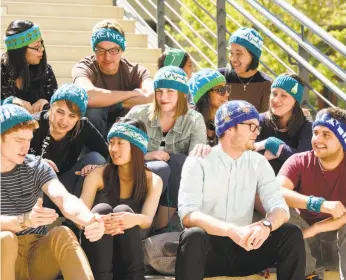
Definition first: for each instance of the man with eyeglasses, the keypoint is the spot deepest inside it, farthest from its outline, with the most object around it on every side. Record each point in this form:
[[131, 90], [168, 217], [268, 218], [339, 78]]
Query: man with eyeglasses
[[216, 204], [113, 84]]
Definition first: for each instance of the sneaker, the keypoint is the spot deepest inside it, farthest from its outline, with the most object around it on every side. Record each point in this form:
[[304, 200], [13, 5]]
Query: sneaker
[[312, 276]]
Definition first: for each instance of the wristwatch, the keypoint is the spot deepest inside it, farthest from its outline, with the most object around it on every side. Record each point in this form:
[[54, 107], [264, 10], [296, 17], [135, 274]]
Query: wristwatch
[[267, 224]]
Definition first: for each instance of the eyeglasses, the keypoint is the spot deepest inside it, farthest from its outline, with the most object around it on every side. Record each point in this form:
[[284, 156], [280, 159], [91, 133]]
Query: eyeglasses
[[112, 51], [253, 127], [39, 48], [222, 91]]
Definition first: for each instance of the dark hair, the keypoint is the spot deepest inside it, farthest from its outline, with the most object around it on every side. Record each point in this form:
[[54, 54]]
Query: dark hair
[[111, 176], [202, 106], [254, 62], [161, 60], [15, 59], [336, 113]]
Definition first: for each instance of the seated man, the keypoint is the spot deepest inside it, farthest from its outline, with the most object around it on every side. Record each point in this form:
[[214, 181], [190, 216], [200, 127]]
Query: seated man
[[27, 252], [216, 204], [315, 183], [112, 82]]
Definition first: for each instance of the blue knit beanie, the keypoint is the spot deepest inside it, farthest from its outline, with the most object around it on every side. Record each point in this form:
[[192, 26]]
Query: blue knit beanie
[[11, 115], [232, 113], [249, 38], [171, 77], [290, 85], [338, 128], [130, 133], [73, 93], [204, 80]]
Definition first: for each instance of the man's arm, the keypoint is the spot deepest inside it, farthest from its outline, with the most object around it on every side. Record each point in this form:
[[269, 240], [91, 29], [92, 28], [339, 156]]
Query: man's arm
[[270, 195], [147, 96], [99, 97], [9, 223], [70, 206], [293, 198], [210, 224]]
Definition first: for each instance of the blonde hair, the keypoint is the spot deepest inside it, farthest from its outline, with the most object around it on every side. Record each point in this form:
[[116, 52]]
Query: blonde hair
[[109, 23], [180, 110]]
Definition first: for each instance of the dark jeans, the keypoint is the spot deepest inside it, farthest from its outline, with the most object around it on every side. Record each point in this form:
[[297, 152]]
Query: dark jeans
[[170, 173], [103, 117], [72, 182], [118, 257], [202, 255]]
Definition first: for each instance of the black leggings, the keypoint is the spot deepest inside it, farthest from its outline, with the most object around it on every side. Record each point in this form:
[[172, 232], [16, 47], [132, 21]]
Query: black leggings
[[118, 257]]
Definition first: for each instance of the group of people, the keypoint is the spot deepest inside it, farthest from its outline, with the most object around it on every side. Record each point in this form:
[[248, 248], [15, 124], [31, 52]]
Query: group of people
[[257, 182]]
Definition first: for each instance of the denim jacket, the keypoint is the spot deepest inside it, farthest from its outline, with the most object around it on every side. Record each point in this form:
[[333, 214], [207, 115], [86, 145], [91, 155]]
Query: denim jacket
[[187, 131]]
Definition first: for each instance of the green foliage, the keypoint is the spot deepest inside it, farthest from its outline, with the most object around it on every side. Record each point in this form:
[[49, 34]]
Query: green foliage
[[329, 14]]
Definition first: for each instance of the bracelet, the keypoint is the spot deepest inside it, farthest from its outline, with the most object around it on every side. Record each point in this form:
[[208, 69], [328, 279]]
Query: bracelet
[[314, 203], [272, 144]]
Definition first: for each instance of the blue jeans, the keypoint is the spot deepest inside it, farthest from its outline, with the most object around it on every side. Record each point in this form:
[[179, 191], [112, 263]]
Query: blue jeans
[[99, 117], [72, 182]]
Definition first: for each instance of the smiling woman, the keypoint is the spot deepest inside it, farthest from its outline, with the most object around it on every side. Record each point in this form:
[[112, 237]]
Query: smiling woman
[[26, 78]]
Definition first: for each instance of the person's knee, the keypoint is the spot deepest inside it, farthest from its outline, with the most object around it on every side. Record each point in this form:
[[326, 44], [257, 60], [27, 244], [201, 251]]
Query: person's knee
[[342, 235], [194, 237], [294, 233], [9, 245], [94, 158], [178, 159], [123, 208], [161, 169], [102, 209]]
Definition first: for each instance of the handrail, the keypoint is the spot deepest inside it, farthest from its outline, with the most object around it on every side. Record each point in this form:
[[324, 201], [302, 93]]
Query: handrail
[[311, 49], [190, 42], [303, 19], [196, 18], [189, 26], [181, 47], [290, 51]]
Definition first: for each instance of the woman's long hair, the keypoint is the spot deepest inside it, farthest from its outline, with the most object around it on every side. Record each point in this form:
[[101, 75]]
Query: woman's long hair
[[111, 176], [15, 60]]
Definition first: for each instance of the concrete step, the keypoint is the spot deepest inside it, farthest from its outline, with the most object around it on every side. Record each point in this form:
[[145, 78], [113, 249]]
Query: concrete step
[[76, 53], [330, 275], [64, 10], [62, 69], [62, 37], [84, 2], [65, 23]]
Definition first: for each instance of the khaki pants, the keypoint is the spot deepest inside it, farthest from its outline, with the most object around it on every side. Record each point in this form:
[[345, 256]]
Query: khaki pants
[[42, 257]]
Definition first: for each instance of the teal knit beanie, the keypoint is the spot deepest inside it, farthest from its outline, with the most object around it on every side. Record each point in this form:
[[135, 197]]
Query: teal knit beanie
[[204, 80], [73, 93], [171, 77], [290, 85], [11, 115], [249, 38]]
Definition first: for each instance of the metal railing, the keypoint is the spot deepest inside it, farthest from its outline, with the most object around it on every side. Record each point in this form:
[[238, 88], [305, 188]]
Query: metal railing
[[167, 29]]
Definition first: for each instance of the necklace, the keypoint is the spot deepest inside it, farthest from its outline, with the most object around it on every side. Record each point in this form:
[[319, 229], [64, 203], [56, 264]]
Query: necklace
[[244, 85]]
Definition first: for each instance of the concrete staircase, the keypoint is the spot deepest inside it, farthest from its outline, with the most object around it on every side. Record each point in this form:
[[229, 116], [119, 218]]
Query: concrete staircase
[[66, 30]]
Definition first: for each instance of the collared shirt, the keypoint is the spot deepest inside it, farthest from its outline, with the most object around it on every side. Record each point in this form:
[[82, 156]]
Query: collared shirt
[[225, 188], [188, 130]]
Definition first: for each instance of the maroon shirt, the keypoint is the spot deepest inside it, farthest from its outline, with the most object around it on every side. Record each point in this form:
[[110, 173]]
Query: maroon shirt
[[308, 178]]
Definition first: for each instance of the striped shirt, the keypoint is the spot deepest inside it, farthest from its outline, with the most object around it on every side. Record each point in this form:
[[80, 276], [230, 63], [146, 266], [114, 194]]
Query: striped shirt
[[20, 188]]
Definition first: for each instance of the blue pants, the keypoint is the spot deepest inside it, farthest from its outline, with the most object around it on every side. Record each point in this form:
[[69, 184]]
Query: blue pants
[[170, 173]]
